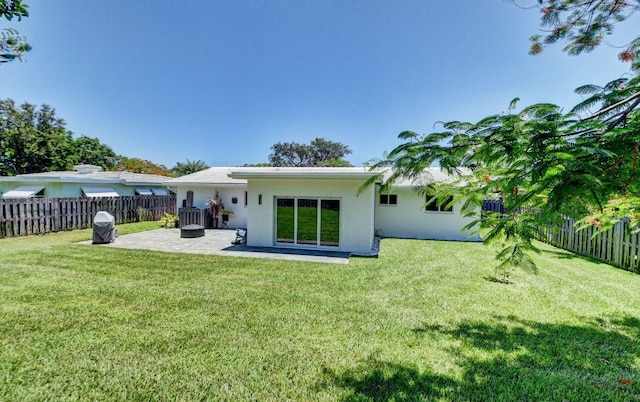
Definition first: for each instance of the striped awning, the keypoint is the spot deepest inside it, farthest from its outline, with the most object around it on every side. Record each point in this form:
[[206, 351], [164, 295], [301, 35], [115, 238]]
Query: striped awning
[[23, 192], [93, 192]]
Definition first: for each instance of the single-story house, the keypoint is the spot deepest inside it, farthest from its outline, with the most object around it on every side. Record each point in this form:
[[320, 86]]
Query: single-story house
[[323, 208], [83, 181]]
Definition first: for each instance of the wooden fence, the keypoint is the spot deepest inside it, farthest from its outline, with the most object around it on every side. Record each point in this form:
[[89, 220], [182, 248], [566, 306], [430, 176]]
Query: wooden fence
[[46, 215], [615, 246]]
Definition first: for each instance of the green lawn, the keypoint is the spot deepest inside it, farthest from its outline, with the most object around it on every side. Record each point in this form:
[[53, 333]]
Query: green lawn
[[425, 321]]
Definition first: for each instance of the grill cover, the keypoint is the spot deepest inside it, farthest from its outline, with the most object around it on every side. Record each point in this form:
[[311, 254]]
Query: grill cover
[[103, 228]]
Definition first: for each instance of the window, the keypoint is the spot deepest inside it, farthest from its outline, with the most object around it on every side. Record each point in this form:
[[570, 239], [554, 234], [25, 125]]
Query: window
[[433, 206], [308, 221], [388, 199]]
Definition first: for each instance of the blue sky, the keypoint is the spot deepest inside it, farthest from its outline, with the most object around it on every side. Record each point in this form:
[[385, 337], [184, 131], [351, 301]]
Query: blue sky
[[222, 81]]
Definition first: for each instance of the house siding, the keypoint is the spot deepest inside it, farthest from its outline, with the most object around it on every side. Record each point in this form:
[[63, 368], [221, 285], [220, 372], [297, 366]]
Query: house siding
[[356, 211], [201, 193], [408, 219]]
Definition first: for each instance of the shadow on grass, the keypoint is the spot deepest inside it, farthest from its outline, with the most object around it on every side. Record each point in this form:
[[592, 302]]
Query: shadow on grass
[[568, 255], [383, 381], [512, 359]]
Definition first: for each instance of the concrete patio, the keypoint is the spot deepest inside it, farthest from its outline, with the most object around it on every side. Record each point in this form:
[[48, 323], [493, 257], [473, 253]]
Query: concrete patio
[[218, 242]]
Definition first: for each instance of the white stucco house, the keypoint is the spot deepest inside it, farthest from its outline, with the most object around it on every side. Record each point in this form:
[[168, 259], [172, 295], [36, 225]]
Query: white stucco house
[[323, 208], [84, 181]]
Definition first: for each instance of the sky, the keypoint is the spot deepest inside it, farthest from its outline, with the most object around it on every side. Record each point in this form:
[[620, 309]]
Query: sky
[[222, 81]]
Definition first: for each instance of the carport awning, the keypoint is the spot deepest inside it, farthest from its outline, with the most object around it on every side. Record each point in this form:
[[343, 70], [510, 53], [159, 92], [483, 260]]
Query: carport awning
[[160, 191], [143, 191], [23, 192], [93, 192]]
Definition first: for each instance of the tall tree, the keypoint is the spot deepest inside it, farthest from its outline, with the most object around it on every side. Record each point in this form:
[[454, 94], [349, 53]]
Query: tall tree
[[188, 167], [320, 152], [33, 139], [12, 44], [91, 151], [543, 163]]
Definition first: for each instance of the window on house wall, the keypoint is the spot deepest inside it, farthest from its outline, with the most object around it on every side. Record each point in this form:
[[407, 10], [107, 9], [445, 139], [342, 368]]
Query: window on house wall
[[308, 221], [434, 207], [388, 199]]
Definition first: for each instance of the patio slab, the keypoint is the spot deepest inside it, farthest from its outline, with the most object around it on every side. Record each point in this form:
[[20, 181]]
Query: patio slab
[[217, 242]]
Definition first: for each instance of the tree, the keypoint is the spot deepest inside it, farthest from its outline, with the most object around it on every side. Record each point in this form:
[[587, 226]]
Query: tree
[[33, 140], [12, 44], [584, 25], [181, 169], [319, 152], [91, 151], [544, 164], [137, 165]]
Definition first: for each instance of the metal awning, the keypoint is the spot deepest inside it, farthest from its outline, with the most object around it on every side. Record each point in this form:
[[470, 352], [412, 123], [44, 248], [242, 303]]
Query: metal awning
[[23, 192], [160, 191], [93, 192], [143, 191]]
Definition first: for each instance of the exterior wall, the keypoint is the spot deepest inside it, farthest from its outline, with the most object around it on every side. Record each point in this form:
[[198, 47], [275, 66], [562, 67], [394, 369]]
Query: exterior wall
[[409, 220], [356, 211], [226, 192]]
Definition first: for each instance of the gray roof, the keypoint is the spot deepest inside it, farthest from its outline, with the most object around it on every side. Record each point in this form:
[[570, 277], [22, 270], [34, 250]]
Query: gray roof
[[214, 175], [239, 175], [303, 172], [429, 175], [90, 177]]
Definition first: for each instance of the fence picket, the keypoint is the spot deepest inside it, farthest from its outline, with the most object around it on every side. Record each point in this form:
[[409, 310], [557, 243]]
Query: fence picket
[[47, 215]]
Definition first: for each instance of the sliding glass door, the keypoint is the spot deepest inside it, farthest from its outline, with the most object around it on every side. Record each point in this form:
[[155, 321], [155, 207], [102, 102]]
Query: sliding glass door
[[308, 221]]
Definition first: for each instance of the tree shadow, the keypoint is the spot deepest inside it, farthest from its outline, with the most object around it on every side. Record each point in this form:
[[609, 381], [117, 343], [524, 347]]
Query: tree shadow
[[377, 380], [512, 359]]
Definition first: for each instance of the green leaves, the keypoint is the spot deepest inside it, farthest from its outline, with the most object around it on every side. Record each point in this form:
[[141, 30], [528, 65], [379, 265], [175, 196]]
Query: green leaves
[[12, 44], [542, 164]]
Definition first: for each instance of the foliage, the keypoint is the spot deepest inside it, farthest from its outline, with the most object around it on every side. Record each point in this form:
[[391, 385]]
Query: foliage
[[156, 325], [12, 44], [91, 151], [170, 220], [584, 25], [33, 140], [144, 214], [137, 165], [542, 163], [226, 212], [188, 167], [215, 204], [320, 152]]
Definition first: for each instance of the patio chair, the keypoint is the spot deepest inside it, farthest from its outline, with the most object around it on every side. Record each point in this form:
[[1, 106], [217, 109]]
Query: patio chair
[[241, 236]]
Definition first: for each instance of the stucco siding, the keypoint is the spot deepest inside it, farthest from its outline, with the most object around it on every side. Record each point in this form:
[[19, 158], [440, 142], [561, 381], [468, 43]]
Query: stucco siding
[[226, 193], [356, 211], [408, 219]]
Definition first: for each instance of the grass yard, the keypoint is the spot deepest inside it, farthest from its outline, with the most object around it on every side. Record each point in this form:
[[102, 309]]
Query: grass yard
[[425, 321]]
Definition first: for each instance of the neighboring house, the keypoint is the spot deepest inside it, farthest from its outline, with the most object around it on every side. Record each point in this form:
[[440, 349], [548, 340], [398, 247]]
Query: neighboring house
[[323, 208], [83, 181]]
